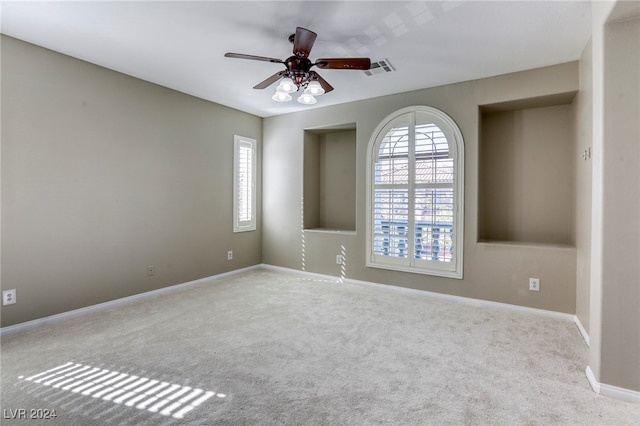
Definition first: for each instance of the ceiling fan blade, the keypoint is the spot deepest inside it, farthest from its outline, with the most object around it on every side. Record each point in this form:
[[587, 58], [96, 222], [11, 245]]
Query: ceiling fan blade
[[325, 85], [344, 63], [269, 81], [252, 57], [303, 42]]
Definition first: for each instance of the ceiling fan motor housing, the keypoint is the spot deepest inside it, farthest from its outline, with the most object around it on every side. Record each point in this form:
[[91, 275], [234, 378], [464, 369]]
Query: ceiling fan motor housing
[[298, 69], [298, 64]]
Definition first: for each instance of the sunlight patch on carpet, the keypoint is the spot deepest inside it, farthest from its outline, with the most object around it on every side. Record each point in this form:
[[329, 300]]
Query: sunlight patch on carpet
[[155, 396]]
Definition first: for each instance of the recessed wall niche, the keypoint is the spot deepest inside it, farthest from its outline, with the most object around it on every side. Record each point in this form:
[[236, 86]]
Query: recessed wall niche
[[525, 188], [330, 178]]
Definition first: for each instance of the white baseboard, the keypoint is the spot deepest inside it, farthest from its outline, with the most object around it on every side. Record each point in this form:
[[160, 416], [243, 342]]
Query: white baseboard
[[610, 390], [174, 288], [582, 330], [595, 385], [314, 275], [166, 290], [424, 293], [28, 325]]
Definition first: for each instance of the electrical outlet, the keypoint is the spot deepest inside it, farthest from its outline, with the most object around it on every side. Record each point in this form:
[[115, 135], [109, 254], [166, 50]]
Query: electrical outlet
[[534, 284], [8, 297], [339, 259], [230, 255], [151, 270]]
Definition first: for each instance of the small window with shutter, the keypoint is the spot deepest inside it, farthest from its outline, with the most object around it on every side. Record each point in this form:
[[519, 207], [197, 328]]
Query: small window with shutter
[[244, 184]]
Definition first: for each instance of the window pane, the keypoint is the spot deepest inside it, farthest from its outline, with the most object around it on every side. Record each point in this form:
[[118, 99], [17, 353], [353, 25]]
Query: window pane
[[392, 166], [434, 213], [391, 209], [433, 164]]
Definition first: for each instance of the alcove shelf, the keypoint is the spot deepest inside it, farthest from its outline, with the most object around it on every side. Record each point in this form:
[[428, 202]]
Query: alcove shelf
[[525, 170], [330, 178]]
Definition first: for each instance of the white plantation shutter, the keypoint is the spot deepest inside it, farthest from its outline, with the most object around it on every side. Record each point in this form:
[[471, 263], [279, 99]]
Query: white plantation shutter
[[244, 184], [415, 193], [434, 193], [391, 195]]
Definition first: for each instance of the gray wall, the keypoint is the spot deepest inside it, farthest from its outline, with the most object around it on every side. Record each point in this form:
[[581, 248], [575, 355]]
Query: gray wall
[[104, 175], [582, 196], [620, 345], [614, 296], [492, 271]]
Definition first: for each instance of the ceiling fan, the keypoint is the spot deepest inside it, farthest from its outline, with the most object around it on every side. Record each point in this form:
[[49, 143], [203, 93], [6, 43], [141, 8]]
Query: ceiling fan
[[298, 74]]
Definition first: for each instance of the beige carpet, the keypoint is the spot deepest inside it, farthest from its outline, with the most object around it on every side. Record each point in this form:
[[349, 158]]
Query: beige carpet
[[269, 348]]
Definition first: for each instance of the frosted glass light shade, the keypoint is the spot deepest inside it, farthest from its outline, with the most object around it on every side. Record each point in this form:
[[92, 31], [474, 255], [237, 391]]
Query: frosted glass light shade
[[315, 88], [287, 85], [281, 96], [307, 99]]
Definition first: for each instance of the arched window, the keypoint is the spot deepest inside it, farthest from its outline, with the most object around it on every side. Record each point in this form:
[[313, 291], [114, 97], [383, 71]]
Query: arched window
[[415, 193]]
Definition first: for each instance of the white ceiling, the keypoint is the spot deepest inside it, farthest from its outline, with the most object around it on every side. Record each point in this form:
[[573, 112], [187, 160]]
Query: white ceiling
[[181, 44]]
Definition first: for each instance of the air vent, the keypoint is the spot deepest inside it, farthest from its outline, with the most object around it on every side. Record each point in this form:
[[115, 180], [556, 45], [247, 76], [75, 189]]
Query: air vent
[[380, 67]]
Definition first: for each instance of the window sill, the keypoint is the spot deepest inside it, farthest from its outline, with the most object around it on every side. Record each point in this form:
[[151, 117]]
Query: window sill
[[525, 244], [331, 231], [412, 270]]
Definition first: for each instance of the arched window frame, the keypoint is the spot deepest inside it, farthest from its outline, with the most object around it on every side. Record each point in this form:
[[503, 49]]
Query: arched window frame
[[409, 263]]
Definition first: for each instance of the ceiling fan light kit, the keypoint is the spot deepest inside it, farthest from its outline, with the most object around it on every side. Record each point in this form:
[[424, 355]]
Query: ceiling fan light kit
[[287, 86], [298, 74]]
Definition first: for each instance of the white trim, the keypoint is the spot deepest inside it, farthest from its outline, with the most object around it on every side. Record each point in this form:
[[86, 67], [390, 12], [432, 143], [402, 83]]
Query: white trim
[[387, 287], [308, 274], [432, 295], [468, 300], [395, 264], [582, 330], [330, 231], [591, 378], [29, 325], [611, 391]]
